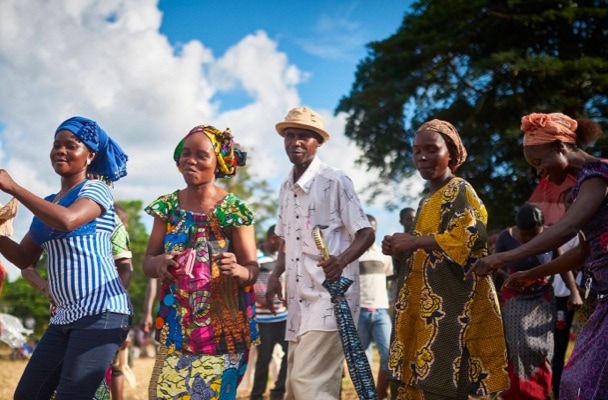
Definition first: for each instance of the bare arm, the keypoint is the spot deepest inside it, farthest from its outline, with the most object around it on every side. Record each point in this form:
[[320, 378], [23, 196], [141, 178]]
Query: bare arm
[[245, 265], [399, 243], [54, 215], [36, 281], [151, 290], [124, 268], [22, 255], [334, 266], [571, 259], [274, 287], [156, 261], [592, 193]]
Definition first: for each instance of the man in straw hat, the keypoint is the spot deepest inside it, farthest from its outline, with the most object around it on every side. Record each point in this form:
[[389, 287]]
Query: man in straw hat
[[315, 194]]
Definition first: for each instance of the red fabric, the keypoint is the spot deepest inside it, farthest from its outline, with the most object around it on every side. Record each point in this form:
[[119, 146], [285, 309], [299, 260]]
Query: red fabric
[[535, 388], [549, 197]]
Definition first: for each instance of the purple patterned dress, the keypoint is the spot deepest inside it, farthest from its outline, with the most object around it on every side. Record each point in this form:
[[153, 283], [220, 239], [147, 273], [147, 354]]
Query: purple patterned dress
[[585, 376]]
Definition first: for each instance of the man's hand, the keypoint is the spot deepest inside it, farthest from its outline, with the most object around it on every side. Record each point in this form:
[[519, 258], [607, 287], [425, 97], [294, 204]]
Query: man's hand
[[273, 288]]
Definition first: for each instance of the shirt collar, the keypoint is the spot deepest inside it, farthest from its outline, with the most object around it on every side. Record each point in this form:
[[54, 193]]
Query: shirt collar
[[307, 177]]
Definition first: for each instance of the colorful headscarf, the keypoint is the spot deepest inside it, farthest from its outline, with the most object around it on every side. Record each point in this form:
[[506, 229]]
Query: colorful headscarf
[[228, 153], [450, 132], [547, 128], [110, 162]]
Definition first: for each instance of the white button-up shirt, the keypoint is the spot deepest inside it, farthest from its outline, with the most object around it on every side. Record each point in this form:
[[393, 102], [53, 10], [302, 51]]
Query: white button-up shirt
[[322, 196]]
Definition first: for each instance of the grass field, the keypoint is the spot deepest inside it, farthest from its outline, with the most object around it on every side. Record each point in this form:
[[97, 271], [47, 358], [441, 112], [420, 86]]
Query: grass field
[[11, 370]]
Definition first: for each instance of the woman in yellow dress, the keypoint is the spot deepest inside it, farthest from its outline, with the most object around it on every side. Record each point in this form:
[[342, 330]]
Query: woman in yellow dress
[[447, 340]]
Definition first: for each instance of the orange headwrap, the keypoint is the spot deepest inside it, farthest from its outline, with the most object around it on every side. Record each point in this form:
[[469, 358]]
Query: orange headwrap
[[547, 128]]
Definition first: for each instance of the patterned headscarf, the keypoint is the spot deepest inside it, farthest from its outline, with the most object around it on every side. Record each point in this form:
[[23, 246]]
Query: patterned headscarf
[[450, 133], [547, 128], [228, 153], [110, 162]]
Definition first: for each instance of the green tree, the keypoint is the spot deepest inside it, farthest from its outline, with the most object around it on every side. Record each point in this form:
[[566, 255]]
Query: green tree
[[481, 65], [139, 241], [258, 193]]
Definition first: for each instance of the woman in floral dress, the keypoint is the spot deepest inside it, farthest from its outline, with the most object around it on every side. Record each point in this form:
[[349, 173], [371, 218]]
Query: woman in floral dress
[[202, 249]]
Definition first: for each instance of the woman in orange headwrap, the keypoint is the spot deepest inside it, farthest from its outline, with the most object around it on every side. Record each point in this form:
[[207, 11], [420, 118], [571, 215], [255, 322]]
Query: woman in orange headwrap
[[550, 146]]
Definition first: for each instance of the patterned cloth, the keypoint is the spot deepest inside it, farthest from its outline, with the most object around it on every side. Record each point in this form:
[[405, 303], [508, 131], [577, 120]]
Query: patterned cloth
[[356, 360], [205, 323], [585, 375], [442, 321], [528, 322]]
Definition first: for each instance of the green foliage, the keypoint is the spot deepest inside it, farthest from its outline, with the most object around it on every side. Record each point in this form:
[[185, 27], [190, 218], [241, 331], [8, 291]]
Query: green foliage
[[139, 241], [481, 65], [258, 193]]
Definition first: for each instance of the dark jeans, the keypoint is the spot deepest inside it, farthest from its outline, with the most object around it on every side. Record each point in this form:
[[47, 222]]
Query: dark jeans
[[73, 358], [561, 337], [270, 334]]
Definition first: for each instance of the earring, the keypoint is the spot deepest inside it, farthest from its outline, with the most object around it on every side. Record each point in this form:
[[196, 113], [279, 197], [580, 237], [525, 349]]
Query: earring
[[88, 162]]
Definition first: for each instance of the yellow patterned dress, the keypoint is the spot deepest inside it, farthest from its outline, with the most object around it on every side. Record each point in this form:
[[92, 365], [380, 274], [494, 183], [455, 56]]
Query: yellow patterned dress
[[205, 322], [447, 339]]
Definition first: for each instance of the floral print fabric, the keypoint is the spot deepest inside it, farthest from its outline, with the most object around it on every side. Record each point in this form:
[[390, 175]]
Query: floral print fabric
[[446, 328], [206, 313]]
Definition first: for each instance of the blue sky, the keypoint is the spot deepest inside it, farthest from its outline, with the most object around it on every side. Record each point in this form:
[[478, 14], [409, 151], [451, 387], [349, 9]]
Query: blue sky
[[325, 39], [148, 71]]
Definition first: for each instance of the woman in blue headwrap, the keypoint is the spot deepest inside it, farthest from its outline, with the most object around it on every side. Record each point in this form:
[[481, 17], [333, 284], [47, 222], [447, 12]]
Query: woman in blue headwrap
[[91, 311]]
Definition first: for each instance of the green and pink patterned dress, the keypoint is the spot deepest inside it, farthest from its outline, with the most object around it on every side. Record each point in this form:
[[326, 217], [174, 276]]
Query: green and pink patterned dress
[[205, 323]]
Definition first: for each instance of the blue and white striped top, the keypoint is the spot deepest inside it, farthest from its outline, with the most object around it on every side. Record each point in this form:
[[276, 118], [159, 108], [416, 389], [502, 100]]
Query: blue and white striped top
[[82, 277]]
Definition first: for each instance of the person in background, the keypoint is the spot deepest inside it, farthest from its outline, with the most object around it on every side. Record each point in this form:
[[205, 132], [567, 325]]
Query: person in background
[[121, 251], [528, 316], [315, 193], [202, 250], [447, 339], [92, 311], [550, 146], [498, 276], [270, 325], [147, 322], [375, 321], [406, 219]]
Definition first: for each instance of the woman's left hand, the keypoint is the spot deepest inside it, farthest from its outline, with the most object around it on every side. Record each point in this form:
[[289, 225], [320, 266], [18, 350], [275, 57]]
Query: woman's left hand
[[486, 265], [574, 301], [227, 263], [518, 281]]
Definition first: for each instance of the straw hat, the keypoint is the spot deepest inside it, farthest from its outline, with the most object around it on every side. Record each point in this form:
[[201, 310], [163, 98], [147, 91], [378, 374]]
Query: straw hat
[[303, 118]]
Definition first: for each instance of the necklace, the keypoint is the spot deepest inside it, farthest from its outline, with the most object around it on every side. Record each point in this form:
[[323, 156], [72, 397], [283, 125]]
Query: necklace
[[61, 194]]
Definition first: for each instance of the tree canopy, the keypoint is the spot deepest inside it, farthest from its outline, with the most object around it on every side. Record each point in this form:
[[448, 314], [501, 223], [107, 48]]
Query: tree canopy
[[482, 65]]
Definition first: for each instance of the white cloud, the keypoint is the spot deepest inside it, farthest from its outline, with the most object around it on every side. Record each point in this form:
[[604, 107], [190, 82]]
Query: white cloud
[[109, 62]]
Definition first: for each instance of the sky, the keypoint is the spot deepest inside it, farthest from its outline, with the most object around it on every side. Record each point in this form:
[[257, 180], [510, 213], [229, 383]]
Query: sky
[[148, 71]]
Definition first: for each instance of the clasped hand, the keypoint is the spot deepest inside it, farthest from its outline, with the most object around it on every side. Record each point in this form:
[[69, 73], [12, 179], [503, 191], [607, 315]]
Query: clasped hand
[[166, 265], [398, 243]]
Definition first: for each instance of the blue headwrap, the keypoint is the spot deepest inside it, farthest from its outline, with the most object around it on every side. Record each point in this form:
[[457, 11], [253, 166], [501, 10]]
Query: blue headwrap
[[110, 162]]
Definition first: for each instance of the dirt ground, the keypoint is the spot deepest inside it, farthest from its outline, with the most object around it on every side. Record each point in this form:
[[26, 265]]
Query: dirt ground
[[11, 370]]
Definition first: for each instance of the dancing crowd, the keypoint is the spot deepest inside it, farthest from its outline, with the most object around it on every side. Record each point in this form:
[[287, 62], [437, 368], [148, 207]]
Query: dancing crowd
[[458, 320]]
